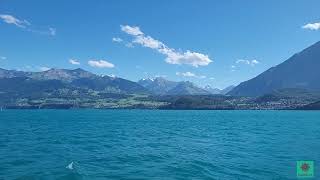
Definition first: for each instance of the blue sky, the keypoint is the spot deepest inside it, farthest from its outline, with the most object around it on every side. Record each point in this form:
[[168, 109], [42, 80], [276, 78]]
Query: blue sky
[[219, 43]]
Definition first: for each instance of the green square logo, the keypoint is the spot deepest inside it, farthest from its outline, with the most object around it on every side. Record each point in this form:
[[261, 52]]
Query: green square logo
[[305, 169]]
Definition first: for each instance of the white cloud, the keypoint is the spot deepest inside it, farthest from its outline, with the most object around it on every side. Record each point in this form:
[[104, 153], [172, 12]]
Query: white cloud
[[190, 58], [13, 20], [44, 68], [74, 62], [52, 31], [135, 31], [189, 74], [149, 42], [129, 45], [186, 74], [43, 31], [312, 26], [160, 76], [243, 61], [254, 62], [9, 19], [233, 68], [247, 62], [116, 39], [172, 56], [3, 57], [212, 78], [100, 64]]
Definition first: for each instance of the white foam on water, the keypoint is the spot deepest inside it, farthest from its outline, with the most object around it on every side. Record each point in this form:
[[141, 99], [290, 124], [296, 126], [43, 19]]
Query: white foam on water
[[70, 166]]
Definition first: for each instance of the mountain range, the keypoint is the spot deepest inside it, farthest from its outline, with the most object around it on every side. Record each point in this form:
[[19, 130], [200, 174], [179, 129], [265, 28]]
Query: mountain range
[[217, 90], [21, 82], [64, 78], [302, 70], [161, 86]]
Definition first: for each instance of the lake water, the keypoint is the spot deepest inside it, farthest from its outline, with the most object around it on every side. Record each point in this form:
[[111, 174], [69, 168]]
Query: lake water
[[154, 144]]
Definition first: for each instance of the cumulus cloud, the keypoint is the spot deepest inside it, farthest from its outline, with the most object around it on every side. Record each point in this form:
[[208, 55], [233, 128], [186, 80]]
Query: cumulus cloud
[[100, 64], [189, 74], [172, 56], [52, 31], [132, 30], [247, 62], [254, 62], [74, 62], [10, 19], [186, 74], [160, 76], [312, 26], [129, 45], [149, 42], [233, 68], [116, 39], [243, 61], [44, 68]]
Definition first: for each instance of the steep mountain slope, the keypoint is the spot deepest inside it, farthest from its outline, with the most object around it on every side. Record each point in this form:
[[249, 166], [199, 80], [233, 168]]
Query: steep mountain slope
[[312, 106], [227, 89], [302, 70], [290, 93]]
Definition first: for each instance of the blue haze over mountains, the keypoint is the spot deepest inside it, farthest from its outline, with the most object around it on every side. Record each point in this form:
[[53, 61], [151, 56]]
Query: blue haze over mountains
[[302, 71], [79, 78]]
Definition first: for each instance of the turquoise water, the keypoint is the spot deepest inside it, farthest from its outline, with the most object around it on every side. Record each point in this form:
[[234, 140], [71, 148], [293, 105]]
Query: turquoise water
[[145, 144]]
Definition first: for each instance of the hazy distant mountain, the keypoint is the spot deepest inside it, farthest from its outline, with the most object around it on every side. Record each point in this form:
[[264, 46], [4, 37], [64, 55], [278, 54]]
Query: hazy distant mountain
[[62, 74], [111, 84], [300, 71], [57, 74], [66, 79], [162, 86], [158, 85], [11, 73], [60, 88], [217, 90], [25, 85], [187, 88], [81, 79], [212, 90]]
